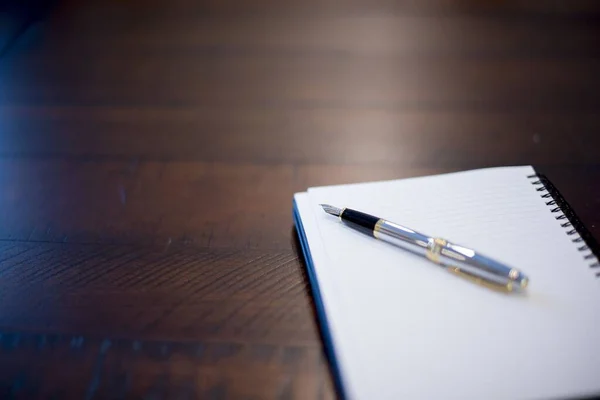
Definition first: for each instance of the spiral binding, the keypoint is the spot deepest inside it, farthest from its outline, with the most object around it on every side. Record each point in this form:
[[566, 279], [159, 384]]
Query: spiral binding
[[568, 220]]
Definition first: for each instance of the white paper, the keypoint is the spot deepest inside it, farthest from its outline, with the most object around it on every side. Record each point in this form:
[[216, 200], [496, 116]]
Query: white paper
[[404, 328]]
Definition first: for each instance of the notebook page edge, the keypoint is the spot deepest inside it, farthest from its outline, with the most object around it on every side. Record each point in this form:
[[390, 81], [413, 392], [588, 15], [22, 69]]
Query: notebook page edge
[[323, 290]]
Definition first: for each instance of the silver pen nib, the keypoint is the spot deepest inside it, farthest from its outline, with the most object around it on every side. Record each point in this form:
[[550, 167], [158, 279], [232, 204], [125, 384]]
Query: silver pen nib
[[331, 210]]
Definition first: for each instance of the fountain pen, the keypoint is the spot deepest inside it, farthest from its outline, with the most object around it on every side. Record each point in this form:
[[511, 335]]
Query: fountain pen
[[458, 259]]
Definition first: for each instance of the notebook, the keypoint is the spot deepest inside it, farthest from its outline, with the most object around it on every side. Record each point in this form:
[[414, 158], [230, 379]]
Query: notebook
[[397, 326]]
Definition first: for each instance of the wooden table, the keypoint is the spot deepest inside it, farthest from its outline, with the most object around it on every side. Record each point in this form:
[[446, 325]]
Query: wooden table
[[149, 151]]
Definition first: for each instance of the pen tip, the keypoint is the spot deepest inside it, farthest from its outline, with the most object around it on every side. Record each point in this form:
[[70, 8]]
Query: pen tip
[[331, 210]]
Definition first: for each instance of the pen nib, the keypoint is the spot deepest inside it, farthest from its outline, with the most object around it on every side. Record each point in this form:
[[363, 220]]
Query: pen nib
[[331, 210]]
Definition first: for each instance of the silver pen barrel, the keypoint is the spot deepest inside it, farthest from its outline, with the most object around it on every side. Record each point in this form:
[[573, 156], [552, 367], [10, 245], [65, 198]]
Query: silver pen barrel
[[458, 259]]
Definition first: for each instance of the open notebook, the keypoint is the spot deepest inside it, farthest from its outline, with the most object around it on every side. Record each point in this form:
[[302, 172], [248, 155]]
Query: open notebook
[[400, 327]]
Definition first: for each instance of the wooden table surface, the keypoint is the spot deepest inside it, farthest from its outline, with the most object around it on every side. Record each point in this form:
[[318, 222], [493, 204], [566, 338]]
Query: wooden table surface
[[149, 151]]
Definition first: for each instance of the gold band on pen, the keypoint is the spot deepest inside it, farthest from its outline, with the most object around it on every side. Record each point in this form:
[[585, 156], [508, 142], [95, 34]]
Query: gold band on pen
[[435, 249], [377, 229]]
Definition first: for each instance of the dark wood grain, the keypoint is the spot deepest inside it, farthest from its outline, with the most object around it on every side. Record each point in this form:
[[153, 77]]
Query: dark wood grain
[[149, 152]]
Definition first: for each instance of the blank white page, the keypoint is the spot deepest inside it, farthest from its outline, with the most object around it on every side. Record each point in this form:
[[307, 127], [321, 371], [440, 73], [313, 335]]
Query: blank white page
[[405, 328]]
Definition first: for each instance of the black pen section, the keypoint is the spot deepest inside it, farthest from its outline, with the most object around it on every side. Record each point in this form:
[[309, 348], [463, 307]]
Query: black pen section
[[362, 222]]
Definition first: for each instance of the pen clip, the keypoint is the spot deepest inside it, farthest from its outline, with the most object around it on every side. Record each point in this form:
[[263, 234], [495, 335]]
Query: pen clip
[[503, 288]]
